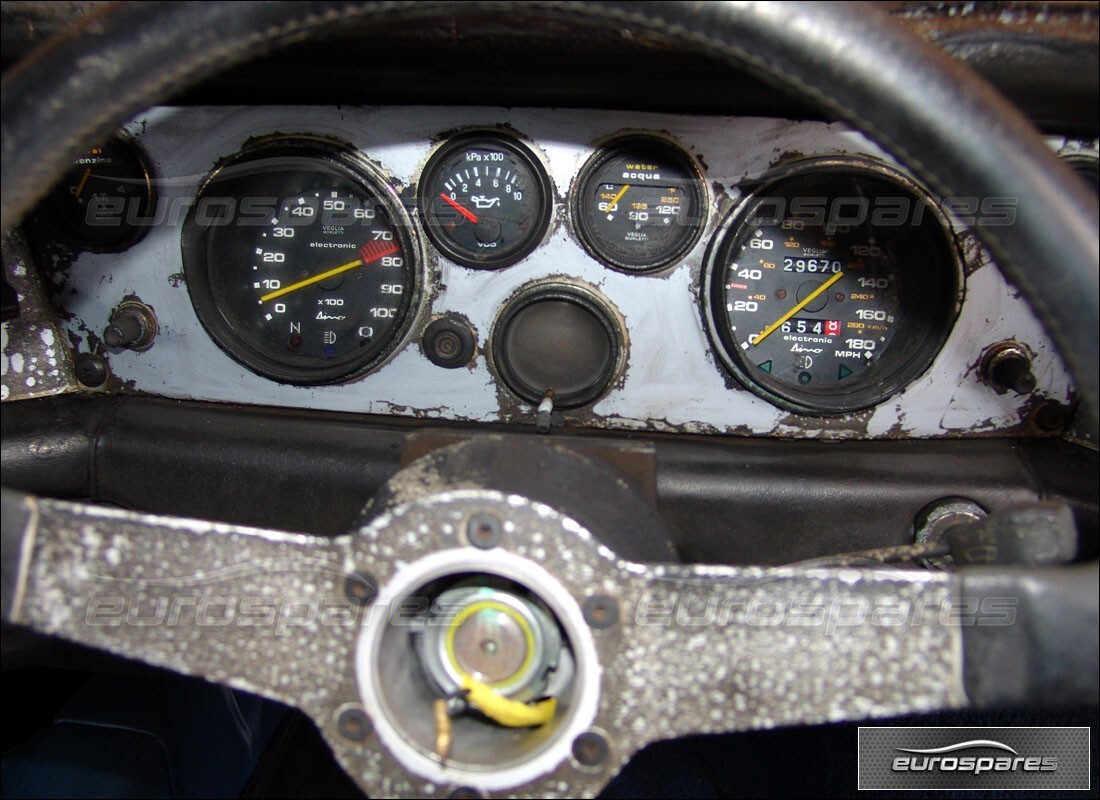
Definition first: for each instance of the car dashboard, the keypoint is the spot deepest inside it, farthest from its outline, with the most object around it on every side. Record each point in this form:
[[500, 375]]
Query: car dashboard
[[665, 361], [684, 333]]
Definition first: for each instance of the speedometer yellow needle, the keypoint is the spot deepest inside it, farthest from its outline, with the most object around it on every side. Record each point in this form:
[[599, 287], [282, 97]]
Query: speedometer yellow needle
[[617, 198], [768, 331], [369, 254]]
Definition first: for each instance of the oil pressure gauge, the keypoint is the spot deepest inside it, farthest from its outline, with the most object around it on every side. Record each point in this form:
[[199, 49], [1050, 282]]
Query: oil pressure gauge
[[485, 200], [639, 205]]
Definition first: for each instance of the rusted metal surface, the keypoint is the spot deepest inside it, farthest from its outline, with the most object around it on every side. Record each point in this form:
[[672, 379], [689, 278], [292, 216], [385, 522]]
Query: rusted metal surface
[[1068, 21]]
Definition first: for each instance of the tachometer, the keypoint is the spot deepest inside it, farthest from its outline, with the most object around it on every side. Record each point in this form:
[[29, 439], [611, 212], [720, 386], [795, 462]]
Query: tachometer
[[832, 287], [300, 263]]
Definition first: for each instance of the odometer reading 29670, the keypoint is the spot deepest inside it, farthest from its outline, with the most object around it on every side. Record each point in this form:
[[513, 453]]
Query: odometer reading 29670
[[832, 287]]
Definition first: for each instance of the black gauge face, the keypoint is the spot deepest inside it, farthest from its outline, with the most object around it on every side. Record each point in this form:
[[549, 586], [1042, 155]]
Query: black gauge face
[[833, 288], [485, 201], [300, 264], [639, 205], [104, 201]]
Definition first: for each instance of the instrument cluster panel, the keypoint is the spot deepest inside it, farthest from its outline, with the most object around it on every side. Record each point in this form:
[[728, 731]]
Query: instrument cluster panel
[[563, 268]]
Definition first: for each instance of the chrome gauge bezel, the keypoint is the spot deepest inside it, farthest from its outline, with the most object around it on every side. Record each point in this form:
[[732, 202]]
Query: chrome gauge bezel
[[351, 165], [868, 393], [580, 295]]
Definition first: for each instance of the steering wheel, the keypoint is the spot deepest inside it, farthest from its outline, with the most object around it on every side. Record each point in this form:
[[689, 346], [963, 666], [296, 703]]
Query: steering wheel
[[654, 651]]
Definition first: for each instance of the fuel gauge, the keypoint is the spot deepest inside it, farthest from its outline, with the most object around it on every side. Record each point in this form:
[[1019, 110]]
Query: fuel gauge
[[639, 205], [103, 200]]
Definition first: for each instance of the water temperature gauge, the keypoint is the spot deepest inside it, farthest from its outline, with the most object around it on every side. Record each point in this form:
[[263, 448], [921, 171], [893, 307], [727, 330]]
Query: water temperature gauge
[[639, 205]]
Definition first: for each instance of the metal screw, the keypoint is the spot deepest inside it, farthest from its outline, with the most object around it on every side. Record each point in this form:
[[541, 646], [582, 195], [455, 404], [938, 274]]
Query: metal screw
[[600, 611], [353, 724], [484, 531], [1051, 417], [361, 588], [91, 370], [590, 749]]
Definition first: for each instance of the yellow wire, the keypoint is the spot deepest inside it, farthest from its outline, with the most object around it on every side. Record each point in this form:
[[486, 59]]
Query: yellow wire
[[509, 713]]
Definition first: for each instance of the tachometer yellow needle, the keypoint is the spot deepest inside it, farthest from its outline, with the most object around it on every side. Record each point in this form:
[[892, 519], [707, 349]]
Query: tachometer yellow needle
[[371, 251], [617, 198], [816, 293], [311, 280]]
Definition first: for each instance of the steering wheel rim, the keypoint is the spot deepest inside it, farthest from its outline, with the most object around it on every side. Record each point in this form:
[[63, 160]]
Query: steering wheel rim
[[953, 131]]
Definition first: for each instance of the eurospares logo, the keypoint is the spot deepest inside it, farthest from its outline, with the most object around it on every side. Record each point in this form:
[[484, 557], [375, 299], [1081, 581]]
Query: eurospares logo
[[974, 758], [945, 760]]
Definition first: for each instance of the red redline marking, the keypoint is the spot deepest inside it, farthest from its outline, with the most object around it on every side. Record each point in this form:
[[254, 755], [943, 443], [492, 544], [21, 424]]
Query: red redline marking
[[374, 250], [461, 209]]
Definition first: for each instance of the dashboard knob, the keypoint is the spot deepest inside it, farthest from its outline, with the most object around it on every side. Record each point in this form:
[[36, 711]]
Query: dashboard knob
[[133, 326]]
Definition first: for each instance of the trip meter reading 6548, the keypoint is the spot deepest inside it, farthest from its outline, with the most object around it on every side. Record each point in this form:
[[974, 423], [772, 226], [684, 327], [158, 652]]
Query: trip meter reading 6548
[[300, 263], [832, 287]]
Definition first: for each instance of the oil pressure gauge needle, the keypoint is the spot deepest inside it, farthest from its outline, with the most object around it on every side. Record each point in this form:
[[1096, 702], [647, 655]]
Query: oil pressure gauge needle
[[816, 293], [371, 251], [461, 209]]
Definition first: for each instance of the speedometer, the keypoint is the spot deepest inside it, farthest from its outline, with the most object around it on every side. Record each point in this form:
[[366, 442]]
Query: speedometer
[[300, 262], [832, 287]]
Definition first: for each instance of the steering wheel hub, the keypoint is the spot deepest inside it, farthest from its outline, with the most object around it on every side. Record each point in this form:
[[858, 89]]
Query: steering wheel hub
[[510, 617]]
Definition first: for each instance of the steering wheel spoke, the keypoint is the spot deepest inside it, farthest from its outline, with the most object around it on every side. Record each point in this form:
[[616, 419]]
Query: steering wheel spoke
[[713, 649], [258, 610]]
